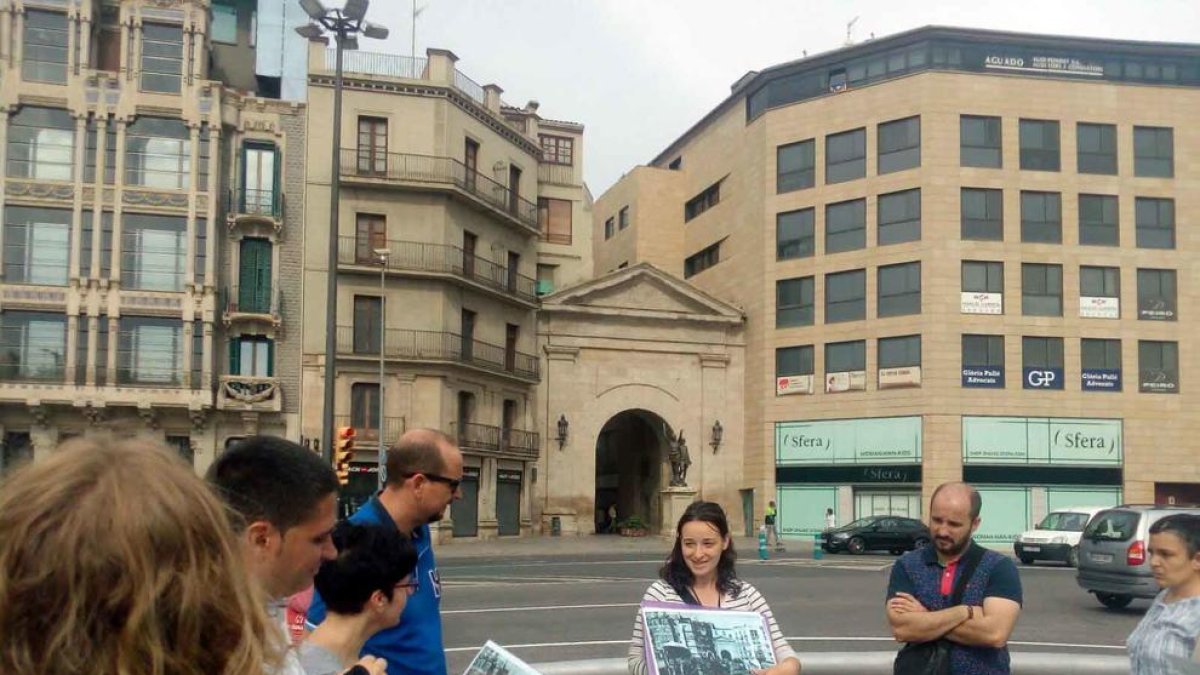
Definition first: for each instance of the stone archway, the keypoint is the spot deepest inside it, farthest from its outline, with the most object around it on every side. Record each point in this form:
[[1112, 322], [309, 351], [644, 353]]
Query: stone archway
[[630, 454]]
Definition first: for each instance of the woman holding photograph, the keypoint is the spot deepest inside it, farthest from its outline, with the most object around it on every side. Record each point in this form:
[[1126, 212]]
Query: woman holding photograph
[[700, 572]]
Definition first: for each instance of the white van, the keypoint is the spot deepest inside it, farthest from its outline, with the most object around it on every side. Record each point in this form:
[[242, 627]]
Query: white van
[[1056, 537]]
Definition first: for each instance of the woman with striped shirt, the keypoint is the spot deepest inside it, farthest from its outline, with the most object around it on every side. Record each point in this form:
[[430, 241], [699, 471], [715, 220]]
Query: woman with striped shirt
[[1167, 633], [700, 572]]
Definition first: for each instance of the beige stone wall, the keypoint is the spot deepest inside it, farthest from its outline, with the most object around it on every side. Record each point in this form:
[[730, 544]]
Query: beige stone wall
[[654, 197]]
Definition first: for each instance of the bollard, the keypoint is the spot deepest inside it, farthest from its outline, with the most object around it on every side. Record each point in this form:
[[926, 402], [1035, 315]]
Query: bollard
[[818, 552], [762, 543]]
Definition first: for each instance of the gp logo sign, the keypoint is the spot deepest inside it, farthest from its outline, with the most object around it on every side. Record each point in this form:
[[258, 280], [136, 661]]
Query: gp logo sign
[[1043, 378]]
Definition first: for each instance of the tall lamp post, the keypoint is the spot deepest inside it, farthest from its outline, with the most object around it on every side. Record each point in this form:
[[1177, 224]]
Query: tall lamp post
[[381, 462], [344, 25]]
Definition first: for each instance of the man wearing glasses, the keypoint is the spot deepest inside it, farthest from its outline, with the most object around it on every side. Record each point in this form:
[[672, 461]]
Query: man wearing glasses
[[424, 471]]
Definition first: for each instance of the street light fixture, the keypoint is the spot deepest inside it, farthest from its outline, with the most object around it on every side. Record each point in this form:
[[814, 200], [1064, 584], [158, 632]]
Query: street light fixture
[[344, 25], [381, 461]]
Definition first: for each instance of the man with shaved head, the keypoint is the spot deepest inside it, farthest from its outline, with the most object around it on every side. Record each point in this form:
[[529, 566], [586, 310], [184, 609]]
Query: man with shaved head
[[976, 628], [424, 471]]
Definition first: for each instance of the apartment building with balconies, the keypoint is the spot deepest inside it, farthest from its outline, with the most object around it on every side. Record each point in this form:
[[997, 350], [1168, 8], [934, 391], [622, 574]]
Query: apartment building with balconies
[[444, 221], [150, 228]]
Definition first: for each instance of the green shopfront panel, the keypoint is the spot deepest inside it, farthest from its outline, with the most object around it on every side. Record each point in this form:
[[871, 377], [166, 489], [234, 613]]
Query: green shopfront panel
[[1006, 514], [802, 508], [1058, 498]]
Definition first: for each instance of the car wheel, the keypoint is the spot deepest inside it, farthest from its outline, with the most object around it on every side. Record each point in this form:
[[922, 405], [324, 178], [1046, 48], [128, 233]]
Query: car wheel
[[856, 545], [920, 542], [1026, 560], [1073, 557], [1114, 601]]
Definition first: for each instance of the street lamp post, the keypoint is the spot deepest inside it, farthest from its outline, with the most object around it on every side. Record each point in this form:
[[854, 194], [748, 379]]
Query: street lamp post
[[381, 462], [345, 25]]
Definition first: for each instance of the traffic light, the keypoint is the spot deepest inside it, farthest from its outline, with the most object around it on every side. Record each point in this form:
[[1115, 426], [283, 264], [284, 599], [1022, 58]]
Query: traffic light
[[343, 452]]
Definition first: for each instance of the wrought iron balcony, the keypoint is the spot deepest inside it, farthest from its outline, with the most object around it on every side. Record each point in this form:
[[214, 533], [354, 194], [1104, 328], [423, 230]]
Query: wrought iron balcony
[[252, 302], [246, 392], [410, 256], [436, 346], [420, 170], [520, 443], [515, 443], [366, 432], [255, 204]]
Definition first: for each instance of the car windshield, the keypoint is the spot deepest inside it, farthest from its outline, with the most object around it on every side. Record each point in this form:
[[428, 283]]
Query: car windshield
[[863, 522], [1112, 526], [1064, 521]]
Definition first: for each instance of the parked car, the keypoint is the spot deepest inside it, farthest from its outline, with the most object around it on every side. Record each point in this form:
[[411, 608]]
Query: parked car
[[1113, 557], [1056, 537], [877, 533]]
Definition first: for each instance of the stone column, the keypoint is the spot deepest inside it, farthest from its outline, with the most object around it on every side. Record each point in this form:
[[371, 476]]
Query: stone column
[[488, 524]]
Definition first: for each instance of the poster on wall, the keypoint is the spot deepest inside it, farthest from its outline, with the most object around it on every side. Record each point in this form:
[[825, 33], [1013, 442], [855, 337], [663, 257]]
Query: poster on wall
[[854, 380], [1042, 440], [793, 384], [982, 303], [1099, 308], [898, 378]]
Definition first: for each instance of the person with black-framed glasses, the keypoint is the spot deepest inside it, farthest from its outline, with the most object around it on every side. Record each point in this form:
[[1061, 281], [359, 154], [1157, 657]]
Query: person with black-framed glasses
[[424, 473]]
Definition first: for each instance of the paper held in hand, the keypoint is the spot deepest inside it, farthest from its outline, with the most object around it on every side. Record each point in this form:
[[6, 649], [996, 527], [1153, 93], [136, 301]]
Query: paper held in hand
[[688, 639], [496, 660]]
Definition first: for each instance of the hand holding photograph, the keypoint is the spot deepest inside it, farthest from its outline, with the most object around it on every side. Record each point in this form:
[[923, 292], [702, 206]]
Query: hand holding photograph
[[686, 640], [496, 660]]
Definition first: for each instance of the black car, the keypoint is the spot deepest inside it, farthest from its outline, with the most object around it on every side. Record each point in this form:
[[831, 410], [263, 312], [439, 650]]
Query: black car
[[877, 533]]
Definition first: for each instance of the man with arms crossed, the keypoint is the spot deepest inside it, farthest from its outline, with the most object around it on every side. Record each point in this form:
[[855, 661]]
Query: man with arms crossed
[[424, 471], [923, 580]]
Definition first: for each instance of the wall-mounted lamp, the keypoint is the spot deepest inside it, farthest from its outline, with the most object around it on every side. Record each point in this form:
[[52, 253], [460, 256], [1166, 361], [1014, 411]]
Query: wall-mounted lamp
[[717, 433], [563, 425]]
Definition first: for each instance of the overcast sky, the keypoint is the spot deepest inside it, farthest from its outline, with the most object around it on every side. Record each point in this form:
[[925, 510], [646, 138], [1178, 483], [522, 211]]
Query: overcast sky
[[638, 73]]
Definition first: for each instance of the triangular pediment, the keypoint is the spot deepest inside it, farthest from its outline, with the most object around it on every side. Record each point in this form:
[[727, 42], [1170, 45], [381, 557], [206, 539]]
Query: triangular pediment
[[641, 291]]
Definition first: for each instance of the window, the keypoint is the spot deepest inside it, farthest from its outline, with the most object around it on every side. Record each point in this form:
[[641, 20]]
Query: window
[[554, 220], [557, 149], [698, 262], [846, 226], [1158, 367], [1100, 282], [846, 296], [370, 233], [545, 279], [979, 141], [368, 311], [1096, 148], [373, 145], [158, 153], [982, 214], [794, 302], [260, 175], [1041, 289], [1098, 220], [41, 144], [364, 406], [899, 289], [900, 352], [150, 351], [254, 275], [467, 322], [108, 39], [794, 361], [899, 217], [1154, 152], [609, 227], [1100, 355], [45, 48], [252, 356], [1039, 145], [1042, 354], [623, 218], [845, 156], [514, 187], [37, 245], [710, 197], [983, 351], [795, 166], [1156, 295], [1041, 217], [33, 346], [470, 151], [153, 252], [899, 145], [511, 333], [981, 276], [843, 357], [1155, 221], [224, 23], [794, 237], [162, 58]]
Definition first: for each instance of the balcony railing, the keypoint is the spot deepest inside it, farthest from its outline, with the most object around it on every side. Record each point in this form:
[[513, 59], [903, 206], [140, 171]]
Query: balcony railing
[[366, 433], [250, 202], [476, 436], [417, 345], [440, 258], [387, 65], [557, 174], [266, 301], [557, 237], [468, 86], [395, 166], [521, 443]]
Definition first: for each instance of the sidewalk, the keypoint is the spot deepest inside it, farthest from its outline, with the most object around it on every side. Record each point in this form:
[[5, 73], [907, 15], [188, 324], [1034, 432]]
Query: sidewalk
[[650, 547]]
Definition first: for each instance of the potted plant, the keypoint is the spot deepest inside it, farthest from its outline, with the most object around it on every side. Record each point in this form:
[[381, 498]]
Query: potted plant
[[634, 526]]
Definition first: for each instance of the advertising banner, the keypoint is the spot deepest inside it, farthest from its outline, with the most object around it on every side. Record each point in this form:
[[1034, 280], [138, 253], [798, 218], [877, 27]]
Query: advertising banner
[[983, 377], [982, 303], [881, 440], [793, 384], [1042, 378], [1099, 308], [854, 380], [895, 378], [1042, 440], [1101, 379]]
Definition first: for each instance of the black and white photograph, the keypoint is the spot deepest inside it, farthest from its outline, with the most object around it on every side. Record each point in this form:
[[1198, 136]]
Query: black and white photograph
[[496, 660], [683, 640]]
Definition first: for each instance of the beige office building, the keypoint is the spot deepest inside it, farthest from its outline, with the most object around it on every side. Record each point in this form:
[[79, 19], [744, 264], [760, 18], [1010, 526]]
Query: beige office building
[[146, 244], [961, 255], [456, 213]]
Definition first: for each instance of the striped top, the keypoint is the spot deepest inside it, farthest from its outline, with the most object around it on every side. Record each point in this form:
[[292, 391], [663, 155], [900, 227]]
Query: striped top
[[748, 599], [1166, 630]]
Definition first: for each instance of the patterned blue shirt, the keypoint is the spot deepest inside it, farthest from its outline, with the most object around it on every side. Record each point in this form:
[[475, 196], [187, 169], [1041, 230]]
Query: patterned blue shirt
[[1166, 630]]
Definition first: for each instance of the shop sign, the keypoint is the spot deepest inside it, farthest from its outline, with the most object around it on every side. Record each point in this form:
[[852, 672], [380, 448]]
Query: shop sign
[[470, 473], [854, 380], [1042, 378], [1040, 440], [1157, 382], [895, 378], [1101, 379], [882, 440], [508, 476], [1099, 308], [1157, 310], [983, 377], [982, 303], [1044, 65], [793, 384]]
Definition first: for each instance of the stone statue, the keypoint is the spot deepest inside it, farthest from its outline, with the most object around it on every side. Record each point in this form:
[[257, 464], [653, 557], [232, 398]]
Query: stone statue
[[678, 456]]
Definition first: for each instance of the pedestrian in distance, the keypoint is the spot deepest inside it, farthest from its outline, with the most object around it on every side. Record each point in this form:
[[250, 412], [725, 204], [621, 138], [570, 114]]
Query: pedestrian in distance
[[115, 559], [284, 501], [954, 602], [365, 589], [700, 571], [770, 519], [830, 519], [1166, 637], [424, 471]]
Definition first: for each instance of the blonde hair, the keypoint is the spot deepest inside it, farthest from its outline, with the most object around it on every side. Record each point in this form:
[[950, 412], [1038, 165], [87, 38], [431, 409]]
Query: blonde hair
[[115, 558]]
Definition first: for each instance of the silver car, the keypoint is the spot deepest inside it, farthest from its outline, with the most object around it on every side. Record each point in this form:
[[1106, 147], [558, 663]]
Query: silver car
[[1114, 559]]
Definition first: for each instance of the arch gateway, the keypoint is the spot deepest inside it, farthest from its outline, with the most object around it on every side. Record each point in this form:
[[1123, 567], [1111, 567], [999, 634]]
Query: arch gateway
[[635, 361]]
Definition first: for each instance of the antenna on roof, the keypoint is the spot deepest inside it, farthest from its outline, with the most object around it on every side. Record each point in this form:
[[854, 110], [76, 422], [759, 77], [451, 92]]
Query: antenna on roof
[[849, 28]]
